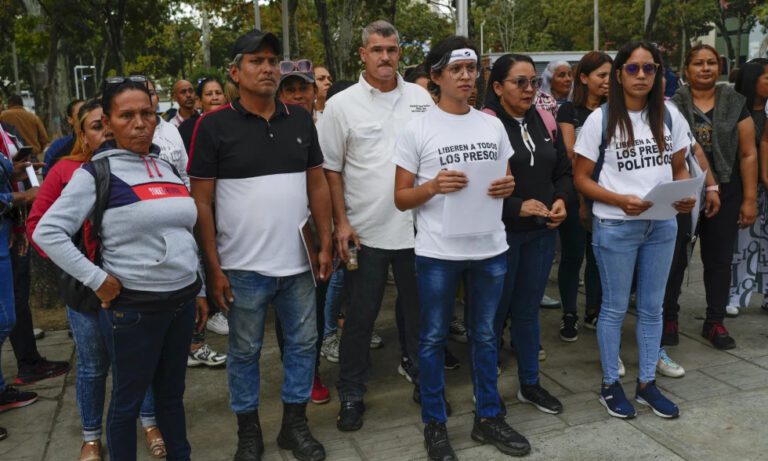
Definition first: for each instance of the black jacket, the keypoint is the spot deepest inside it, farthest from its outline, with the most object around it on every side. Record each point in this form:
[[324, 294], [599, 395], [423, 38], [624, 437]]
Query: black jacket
[[549, 177]]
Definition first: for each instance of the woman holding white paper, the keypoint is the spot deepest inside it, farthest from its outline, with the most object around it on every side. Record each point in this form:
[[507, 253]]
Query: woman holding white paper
[[531, 215], [641, 143]]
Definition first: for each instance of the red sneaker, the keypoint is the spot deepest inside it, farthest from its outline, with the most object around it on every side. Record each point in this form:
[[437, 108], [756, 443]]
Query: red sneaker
[[320, 393]]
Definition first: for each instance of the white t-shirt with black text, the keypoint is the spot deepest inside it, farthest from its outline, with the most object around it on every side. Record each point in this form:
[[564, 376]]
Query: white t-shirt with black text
[[635, 169], [437, 141]]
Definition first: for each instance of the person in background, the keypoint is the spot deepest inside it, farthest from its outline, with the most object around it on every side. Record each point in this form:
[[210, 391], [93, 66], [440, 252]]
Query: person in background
[[722, 126], [323, 80], [557, 81], [748, 268], [184, 94], [28, 125], [210, 91], [63, 146]]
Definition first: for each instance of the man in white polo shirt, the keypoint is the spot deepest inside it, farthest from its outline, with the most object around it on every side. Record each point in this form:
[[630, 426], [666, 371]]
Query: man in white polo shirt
[[357, 134]]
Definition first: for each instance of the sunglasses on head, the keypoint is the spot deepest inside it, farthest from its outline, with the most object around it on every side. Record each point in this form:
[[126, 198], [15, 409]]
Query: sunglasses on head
[[649, 68], [131, 78], [302, 65]]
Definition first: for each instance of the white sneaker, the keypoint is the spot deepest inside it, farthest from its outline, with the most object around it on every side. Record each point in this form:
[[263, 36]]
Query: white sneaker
[[668, 367], [218, 324], [731, 311], [622, 370], [376, 341], [330, 348], [206, 356]]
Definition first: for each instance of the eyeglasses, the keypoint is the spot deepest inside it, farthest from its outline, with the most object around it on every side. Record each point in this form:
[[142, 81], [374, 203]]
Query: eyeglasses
[[649, 68], [131, 78], [302, 65], [457, 70], [523, 83]]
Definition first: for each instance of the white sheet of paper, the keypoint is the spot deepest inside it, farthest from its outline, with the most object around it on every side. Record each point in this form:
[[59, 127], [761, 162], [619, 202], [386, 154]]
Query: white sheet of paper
[[306, 248], [471, 210], [667, 193], [32, 176]]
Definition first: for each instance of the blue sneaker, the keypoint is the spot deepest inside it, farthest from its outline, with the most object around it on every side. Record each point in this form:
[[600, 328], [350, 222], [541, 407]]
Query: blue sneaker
[[651, 396], [613, 399]]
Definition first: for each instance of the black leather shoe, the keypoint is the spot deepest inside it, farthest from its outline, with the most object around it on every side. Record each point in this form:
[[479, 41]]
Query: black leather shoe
[[436, 442], [250, 444], [295, 436], [417, 399], [350, 416], [496, 432]]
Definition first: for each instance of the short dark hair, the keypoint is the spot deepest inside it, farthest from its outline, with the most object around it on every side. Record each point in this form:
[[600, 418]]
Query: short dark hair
[[15, 100], [438, 52], [71, 106], [415, 73], [204, 81], [746, 80], [111, 91], [338, 87]]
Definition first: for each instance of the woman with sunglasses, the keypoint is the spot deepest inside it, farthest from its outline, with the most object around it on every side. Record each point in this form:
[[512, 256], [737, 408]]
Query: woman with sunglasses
[[92, 356], [590, 90], [641, 150], [544, 186], [751, 242], [148, 279], [722, 126], [210, 91]]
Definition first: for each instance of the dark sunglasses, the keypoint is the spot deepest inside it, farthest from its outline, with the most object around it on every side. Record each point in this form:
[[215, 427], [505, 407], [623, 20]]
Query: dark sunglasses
[[649, 68], [130, 78], [302, 65], [523, 83]]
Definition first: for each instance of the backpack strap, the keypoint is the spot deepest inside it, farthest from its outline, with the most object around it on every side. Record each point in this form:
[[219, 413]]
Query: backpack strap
[[102, 177], [549, 121]]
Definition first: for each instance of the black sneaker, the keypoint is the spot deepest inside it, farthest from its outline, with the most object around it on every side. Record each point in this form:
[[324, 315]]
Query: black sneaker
[[539, 398], [40, 370], [451, 362], [417, 398], [12, 398], [436, 442], [590, 321], [716, 333], [670, 336], [404, 369], [3, 433], [497, 432], [457, 331], [350, 416], [569, 327]]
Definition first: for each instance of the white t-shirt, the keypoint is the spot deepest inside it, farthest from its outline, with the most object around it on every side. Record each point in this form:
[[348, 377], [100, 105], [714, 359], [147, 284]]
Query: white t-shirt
[[357, 134], [172, 149], [439, 140], [634, 169]]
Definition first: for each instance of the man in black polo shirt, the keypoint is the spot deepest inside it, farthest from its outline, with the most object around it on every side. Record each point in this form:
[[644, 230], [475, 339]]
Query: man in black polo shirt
[[260, 163]]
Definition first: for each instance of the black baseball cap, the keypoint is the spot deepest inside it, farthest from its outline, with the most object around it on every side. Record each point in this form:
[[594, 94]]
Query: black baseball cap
[[253, 40]]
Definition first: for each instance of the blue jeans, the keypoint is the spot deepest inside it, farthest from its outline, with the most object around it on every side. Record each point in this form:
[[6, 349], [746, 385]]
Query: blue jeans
[[333, 302], [147, 349], [92, 368], [438, 281], [529, 260], [7, 302], [293, 298], [621, 247]]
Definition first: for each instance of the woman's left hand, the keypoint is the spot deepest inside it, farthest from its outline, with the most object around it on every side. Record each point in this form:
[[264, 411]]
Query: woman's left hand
[[502, 188], [557, 214], [685, 205], [747, 213], [201, 313]]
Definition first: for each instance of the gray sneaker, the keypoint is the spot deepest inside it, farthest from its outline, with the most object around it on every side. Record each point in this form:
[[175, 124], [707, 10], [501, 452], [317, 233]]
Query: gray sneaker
[[330, 348], [206, 356], [376, 341]]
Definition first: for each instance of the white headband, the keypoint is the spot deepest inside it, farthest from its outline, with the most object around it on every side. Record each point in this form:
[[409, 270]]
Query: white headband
[[462, 54]]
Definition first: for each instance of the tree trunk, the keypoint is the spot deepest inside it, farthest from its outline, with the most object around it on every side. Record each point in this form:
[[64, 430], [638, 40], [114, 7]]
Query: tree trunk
[[114, 28], [322, 16], [392, 12], [720, 23], [206, 39], [648, 33], [293, 5]]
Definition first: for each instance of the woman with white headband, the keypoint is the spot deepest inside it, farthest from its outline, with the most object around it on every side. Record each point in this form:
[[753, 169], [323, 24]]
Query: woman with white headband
[[452, 161]]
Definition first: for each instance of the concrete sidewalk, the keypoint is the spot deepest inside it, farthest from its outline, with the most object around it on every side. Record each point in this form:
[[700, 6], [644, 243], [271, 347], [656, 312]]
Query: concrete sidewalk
[[723, 400]]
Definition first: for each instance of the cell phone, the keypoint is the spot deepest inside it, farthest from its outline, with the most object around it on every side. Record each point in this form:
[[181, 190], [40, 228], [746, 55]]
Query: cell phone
[[23, 154]]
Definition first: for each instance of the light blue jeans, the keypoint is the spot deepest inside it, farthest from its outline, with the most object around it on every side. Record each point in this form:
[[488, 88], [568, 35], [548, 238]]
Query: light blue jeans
[[7, 302], [621, 247], [92, 368], [293, 298], [333, 302]]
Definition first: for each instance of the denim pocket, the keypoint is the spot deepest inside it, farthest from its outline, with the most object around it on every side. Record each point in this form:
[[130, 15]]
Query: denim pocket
[[124, 319], [612, 222]]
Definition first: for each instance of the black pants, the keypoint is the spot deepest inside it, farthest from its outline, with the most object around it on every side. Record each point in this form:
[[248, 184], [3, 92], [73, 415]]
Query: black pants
[[366, 286], [22, 337], [592, 286], [573, 239], [718, 236], [677, 270]]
